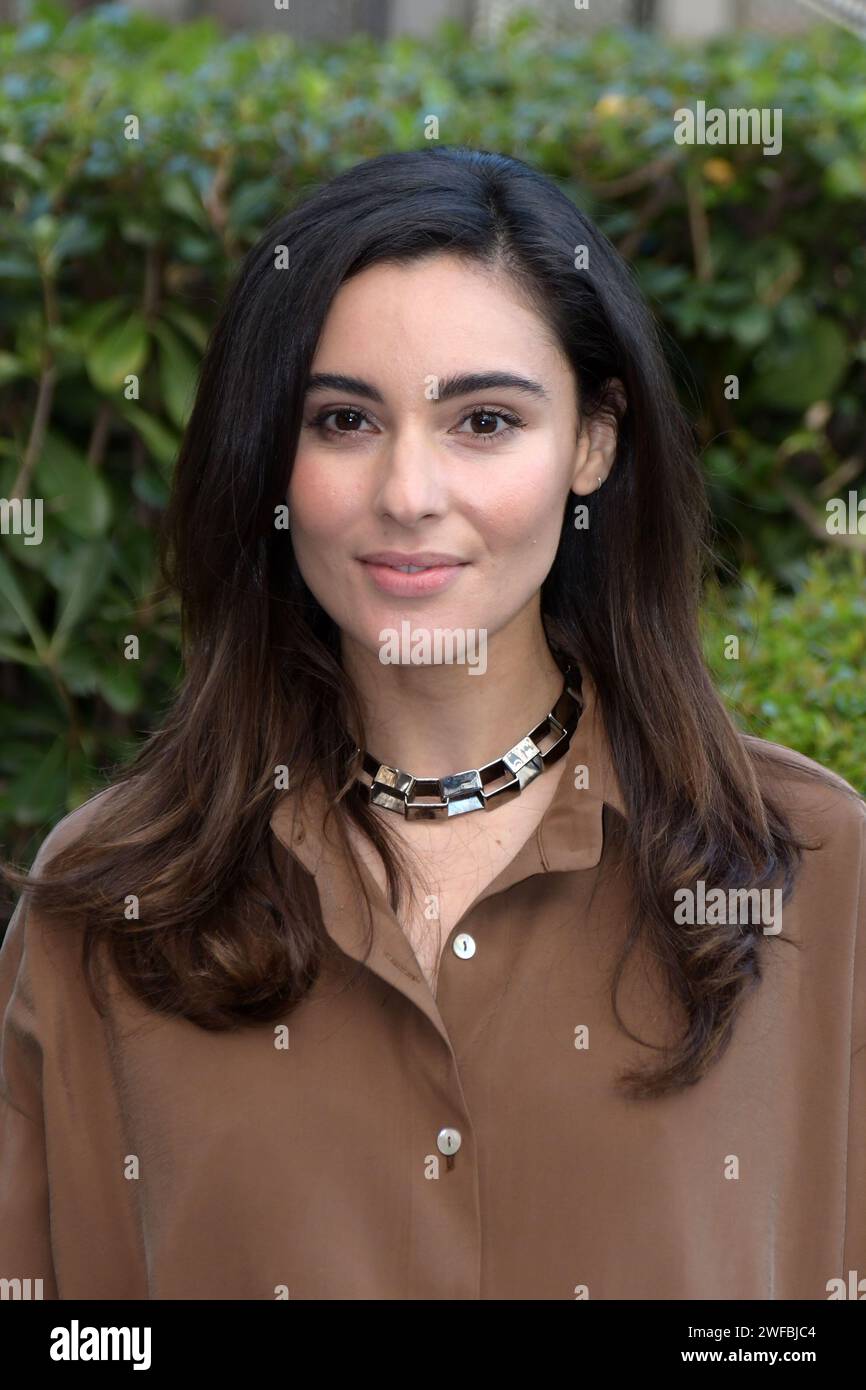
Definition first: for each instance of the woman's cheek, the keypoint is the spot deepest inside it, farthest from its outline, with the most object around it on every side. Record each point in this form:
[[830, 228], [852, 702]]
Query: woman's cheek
[[520, 522], [321, 506]]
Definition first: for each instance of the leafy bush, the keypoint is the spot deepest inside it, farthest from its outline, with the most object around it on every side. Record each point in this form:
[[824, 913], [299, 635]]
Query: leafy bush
[[798, 677], [117, 252]]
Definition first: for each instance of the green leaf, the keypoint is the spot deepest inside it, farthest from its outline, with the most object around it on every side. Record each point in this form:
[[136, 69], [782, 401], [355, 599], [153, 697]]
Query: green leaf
[[13, 651], [178, 373], [78, 668], [17, 157], [76, 494], [194, 329], [14, 595], [160, 440], [252, 201], [37, 794], [121, 351], [150, 488], [845, 177], [751, 325], [791, 374], [10, 367], [90, 576], [31, 557], [178, 195], [91, 322], [120, 686]]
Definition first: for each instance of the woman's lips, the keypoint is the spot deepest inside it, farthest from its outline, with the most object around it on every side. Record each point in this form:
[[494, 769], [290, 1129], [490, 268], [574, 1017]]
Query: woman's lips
[[427, 581]]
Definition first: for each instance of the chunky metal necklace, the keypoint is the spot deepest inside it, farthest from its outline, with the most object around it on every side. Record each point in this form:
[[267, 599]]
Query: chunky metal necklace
[[434, 798]]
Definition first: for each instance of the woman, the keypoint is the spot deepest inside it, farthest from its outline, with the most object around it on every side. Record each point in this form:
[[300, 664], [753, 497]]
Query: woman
[[571, 1052]]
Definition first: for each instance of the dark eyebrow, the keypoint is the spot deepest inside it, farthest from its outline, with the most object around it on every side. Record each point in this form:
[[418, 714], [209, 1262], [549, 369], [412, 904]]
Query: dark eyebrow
[[464, 384]]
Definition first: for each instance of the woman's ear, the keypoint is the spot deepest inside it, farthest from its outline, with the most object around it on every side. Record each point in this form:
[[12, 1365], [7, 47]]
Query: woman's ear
[[596, 444]]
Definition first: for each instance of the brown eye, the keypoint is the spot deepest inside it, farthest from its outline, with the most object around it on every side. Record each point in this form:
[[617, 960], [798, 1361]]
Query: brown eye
[[486, 416], [342, 414], [482, 413]]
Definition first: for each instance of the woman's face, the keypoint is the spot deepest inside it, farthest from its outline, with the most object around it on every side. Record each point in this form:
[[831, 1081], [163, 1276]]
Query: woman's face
[[407, 458]]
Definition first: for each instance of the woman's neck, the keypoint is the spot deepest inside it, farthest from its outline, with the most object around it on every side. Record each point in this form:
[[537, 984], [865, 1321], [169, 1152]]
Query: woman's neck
[[435, 720]]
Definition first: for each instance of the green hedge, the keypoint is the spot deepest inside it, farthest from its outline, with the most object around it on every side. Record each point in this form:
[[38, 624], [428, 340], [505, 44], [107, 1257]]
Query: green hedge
[[117, 253], [798, 676]]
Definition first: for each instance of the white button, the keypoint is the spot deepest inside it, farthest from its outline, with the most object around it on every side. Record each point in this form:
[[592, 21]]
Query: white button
[[463, 945], [448, 1141]]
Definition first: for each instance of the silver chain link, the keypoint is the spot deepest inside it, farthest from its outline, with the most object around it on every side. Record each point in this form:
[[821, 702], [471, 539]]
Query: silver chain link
[[435, 798]]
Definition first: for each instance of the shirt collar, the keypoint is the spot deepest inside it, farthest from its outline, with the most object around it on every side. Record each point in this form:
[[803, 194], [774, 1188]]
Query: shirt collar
[[569, 836]]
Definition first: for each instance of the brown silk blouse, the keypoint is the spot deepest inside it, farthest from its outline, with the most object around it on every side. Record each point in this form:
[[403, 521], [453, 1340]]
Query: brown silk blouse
[[384, 1143]]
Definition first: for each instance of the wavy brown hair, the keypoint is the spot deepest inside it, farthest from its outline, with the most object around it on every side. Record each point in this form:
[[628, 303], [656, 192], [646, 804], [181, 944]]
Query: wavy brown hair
[[230, 931]]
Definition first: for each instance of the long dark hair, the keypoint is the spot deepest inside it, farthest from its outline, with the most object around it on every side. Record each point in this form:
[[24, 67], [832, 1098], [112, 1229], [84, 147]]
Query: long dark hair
[[229, 930]]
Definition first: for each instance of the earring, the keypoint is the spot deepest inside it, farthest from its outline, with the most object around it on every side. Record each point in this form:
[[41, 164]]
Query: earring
[[599, 482]]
